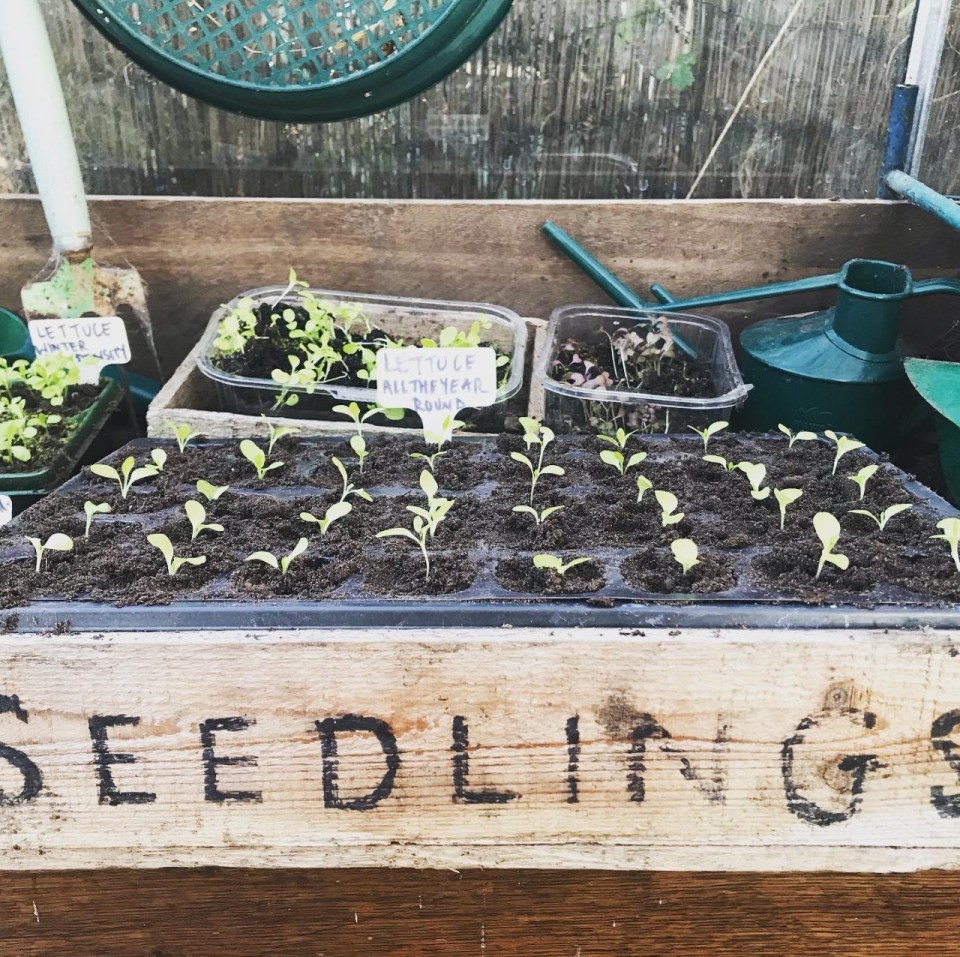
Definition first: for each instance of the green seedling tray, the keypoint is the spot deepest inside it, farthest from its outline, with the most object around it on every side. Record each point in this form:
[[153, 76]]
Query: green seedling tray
[[41, 481]]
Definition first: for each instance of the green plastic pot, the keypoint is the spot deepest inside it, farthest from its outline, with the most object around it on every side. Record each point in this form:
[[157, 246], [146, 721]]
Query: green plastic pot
[[39, 482], [14, 339], [939, 384]]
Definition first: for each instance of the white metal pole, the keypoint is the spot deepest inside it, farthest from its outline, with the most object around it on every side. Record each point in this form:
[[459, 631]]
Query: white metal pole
[[35, 84], [923, 67]]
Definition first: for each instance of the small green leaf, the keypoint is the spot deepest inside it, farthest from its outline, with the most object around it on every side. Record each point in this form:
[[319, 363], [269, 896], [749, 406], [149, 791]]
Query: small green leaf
[[685, 552]]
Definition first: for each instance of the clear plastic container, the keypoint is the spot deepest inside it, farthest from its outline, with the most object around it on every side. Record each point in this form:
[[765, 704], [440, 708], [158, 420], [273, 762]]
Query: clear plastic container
[[575, 408], [406, 319]]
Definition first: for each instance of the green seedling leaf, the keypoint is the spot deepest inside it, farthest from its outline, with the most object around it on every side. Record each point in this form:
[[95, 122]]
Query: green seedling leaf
[[276, 433], [196, 514], [755, 472], [90, 509], [210, 491], [884, 516], [335, 512], [618, 439], [950, 533], [257, 458], [785, 497], [707, 433], [844, 444], [297, 550], [555, 563], [862, 477], [57, 542], [828, 531], [182, 433], [359, 446], [668, 504], [797, 437], [159, 458], [128, 476], [266, 557], [643, 484], [541, 516], [685, 552], [163, 544], [719, 460], [428, 484]]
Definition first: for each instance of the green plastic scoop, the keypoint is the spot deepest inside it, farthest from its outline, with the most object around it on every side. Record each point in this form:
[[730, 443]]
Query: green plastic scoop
[[298, 60]]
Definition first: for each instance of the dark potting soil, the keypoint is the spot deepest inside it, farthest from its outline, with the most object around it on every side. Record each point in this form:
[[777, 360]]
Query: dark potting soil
[[484, 550], [49, 443], [591, 361]]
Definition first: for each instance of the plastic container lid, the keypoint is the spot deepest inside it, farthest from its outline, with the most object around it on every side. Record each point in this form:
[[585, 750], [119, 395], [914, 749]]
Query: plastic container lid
[[507, 331]]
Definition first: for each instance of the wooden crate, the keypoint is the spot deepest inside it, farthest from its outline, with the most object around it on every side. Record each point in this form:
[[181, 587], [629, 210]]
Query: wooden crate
[[190, 398], [122, 879], [569, 748]]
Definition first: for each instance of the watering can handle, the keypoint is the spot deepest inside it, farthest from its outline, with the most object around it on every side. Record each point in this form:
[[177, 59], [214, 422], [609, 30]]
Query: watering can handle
[[937, 287]]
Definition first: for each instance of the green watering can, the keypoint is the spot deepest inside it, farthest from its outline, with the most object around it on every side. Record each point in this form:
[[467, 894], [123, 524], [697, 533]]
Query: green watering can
[[839, 369], [939, 384]]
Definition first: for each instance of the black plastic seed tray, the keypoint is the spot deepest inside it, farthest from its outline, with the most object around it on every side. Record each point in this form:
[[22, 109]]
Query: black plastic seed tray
[[489, 483]]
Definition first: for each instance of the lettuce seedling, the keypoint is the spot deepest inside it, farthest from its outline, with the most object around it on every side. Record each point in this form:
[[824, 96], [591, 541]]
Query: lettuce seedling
[[707, 433], [618, 440], [785, 497], [541, 516], [430, 459], [348, 487], [950, 533], [437, 507], [90, 509], [257, 458], [615, 458], [196, 514], [555, 563], [536, 434], [643, 485], [281, 564], [174, 563], [828, 531], [182, 433], [884, 516], [210, 491], [755, 472], [276, 433], [685, 552], [721, 461], [444, 434], [668, 507], [843, 445], [419, 535], [352, 411], [862, 477], [159, 458], [797, 436], [301, 375], [57, 542], [128, 476], [335, 512]]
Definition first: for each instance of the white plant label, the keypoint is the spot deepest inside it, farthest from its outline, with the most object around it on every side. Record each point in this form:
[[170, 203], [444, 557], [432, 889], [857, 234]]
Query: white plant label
[[95, 342], [437, 383], [6, 509]]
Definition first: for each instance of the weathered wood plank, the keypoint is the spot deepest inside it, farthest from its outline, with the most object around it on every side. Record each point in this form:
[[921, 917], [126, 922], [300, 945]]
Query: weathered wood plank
[[197, 253], [415, 913], [495, 748]]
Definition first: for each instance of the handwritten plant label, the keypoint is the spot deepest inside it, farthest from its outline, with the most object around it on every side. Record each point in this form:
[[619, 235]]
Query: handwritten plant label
[[95, 342], [6, 509], [437, 383]]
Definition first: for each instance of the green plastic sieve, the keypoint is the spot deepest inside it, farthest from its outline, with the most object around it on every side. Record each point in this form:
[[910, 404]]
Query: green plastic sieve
[[298, 60]]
